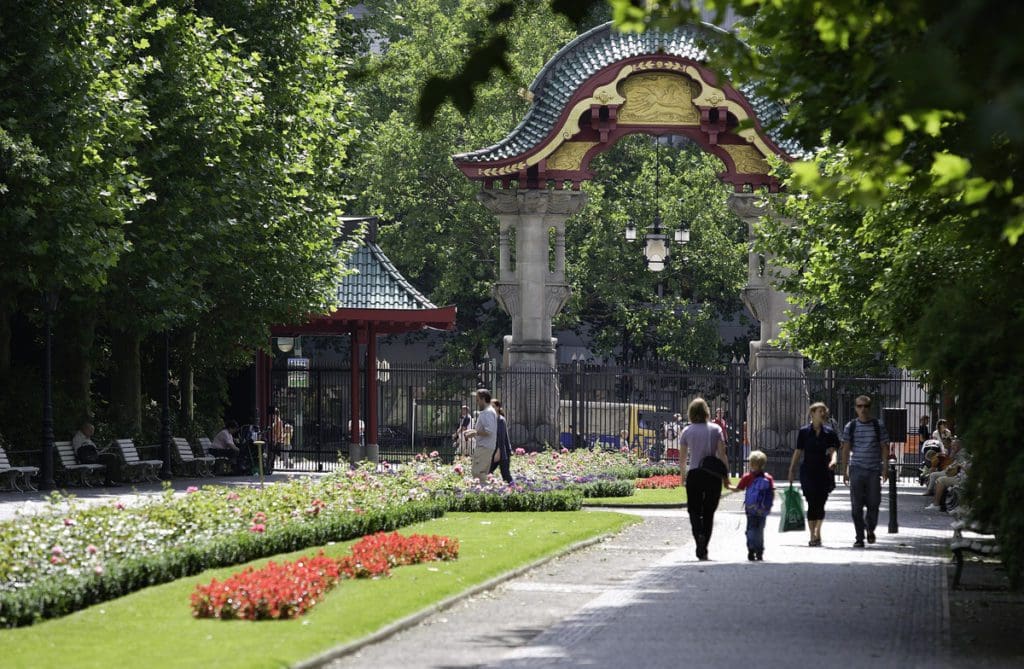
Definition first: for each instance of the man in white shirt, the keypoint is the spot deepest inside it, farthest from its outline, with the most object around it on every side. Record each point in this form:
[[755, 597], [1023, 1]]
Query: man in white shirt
[[486, 434]]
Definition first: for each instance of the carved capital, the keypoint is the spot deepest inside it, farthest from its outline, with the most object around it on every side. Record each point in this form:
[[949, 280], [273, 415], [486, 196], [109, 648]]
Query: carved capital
[[555, 297], [507, 295], [748, 206], [532, 202]]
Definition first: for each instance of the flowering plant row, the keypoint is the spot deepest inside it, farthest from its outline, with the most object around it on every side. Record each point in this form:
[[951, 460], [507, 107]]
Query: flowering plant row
[[287, 590], [658, 482]]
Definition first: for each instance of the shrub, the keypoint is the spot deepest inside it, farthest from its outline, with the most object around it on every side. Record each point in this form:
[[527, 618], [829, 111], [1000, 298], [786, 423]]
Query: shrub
[[612, 488], [569, 499]]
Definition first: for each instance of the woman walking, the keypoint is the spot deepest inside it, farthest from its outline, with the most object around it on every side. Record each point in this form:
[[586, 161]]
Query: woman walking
[[503, 449], [702, 445], [816, 447]]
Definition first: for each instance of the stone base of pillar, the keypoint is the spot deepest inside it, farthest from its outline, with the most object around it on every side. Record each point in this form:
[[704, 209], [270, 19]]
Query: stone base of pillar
[[372, 453], [529, 393], [355, 454], [778, 400]]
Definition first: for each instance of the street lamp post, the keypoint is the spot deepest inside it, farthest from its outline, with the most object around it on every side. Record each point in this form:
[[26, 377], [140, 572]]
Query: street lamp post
[[46, 459]]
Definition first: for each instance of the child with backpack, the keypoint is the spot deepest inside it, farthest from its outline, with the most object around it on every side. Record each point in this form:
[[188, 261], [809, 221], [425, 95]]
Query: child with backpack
[[760, 496]]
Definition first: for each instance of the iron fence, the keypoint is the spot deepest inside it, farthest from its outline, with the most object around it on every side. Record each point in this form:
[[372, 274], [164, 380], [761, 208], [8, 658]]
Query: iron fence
[[593, 406]]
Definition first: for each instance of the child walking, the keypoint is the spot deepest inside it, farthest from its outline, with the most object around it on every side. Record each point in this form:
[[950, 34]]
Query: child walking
[[760, 496]]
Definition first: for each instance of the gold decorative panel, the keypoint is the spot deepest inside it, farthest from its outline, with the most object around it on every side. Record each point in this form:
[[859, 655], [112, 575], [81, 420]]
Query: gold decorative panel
[[569, 156], [662, 98], [748, 159]]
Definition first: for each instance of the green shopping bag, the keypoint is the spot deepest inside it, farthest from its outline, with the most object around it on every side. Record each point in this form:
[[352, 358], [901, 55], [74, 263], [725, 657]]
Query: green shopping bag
[[792, 511]]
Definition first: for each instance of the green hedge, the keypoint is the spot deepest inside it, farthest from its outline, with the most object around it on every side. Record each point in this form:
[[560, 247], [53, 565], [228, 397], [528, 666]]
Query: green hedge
[[612, 488], [569, 499], [58, 596], [632, 473]]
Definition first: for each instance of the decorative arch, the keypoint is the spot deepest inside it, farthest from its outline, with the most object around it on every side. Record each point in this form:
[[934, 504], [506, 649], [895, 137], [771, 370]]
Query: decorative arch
[[604, 85]]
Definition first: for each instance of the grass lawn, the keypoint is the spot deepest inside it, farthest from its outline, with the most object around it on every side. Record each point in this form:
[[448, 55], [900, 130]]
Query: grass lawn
[[648, 497], [154, 627]]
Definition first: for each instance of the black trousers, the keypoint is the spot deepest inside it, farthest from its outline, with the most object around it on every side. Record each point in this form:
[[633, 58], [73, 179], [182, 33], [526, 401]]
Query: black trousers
[[504, 456], [703, 491]]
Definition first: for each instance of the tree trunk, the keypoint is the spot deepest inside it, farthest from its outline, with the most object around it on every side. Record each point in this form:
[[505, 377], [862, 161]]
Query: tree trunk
[[126, 382], [5, 340], [186, 377]]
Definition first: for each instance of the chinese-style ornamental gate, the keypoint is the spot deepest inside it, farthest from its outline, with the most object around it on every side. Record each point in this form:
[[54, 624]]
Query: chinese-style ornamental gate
[[600, 87]]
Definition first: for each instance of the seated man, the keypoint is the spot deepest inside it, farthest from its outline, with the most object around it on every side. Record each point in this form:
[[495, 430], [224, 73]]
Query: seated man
[[87, 453], [939, 463], [951, 477], [223, 446]]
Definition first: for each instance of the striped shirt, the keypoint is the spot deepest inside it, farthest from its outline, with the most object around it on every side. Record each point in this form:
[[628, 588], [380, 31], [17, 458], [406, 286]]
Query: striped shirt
[[866, 452]]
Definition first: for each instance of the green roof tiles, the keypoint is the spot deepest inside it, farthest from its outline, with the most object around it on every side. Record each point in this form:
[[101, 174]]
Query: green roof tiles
[[377, 284], [596, 49]]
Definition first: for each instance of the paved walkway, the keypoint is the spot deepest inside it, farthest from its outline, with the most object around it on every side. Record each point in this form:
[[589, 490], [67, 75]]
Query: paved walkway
[[641, 599]]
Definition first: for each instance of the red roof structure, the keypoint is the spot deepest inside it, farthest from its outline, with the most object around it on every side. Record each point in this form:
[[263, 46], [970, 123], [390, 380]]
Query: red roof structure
[[373, 299]]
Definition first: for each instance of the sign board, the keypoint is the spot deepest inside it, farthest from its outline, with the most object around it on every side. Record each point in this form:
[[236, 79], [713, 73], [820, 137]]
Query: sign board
[[298, 363]]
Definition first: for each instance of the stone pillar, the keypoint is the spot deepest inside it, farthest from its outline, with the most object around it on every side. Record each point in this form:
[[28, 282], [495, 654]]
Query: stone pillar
[[778, 400], [532, 293]]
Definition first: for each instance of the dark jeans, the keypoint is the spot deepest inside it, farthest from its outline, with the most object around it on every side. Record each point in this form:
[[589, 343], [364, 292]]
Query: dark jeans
[[755, 532], [703, 490], [865, 491]]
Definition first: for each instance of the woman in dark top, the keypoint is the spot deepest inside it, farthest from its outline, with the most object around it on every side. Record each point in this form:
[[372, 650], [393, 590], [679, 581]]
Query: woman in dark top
[[816, 444], [503, 448]]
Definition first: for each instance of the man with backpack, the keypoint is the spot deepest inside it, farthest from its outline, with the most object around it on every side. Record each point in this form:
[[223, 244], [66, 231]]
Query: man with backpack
[[757, 503], [865, 460]]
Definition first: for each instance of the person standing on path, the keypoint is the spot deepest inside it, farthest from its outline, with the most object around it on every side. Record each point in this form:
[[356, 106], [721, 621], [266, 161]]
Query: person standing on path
[[702, 442], [865, 456], [757, 503], [486, 435], [503, 452], [817, 446]]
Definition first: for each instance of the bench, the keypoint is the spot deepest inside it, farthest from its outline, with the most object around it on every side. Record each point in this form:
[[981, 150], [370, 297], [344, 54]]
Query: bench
[[220, 463], [188, 461], [134, 465], [70, 468], [14, 474], [985, 544]]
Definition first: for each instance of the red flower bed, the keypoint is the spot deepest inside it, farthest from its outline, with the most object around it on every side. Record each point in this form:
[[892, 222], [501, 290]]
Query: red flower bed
[[276, 591], [671, 481], [289, 589]]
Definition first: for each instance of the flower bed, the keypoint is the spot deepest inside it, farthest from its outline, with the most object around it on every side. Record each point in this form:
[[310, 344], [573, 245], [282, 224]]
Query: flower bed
[[660, 482], [287, 590], [71, 556]]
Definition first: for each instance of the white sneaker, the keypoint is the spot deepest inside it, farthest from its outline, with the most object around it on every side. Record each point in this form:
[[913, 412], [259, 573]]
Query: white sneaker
[[931, 507]]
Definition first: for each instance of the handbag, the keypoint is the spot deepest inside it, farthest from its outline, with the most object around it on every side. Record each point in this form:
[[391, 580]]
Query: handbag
[[713, 465], [792, 516]]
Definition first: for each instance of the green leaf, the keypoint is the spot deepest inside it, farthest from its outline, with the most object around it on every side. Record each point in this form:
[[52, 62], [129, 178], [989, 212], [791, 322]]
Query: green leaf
[[948, 167]]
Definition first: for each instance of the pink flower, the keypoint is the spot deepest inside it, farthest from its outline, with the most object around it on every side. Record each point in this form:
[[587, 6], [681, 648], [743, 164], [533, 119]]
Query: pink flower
[[434, 454], [98, 569], [231, 496], [56, 559], [57, 550], [554, 456], [520, 451], [260, 517], [458, 469], [91, 550], [565, 450], [258, 528], [191, 489], [68, 522], [119, 506]]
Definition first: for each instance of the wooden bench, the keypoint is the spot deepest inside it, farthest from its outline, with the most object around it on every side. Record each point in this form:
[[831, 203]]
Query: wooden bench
[[985, 544], [188, 461], [134, 465], [70, 469], [14, 474]]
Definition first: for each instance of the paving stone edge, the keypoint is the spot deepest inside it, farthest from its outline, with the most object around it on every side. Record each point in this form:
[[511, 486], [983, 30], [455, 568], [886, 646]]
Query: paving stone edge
[[414, 619]]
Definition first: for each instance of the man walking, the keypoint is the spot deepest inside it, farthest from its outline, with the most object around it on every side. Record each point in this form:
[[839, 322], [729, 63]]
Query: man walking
[[865, 456], [486, 434]]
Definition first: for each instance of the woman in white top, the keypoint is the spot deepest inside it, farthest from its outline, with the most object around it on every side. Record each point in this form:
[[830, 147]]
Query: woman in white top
[[701, 445]]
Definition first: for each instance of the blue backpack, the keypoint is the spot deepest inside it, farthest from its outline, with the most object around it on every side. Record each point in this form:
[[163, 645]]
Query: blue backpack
[[759, 497]]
